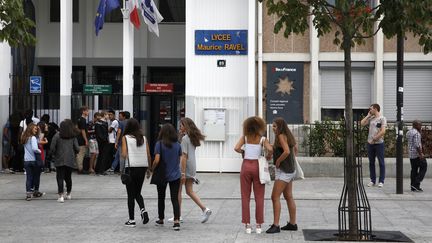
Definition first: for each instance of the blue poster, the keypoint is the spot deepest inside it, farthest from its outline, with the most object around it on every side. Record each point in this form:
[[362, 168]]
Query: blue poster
[[221, 42], [35, 84]]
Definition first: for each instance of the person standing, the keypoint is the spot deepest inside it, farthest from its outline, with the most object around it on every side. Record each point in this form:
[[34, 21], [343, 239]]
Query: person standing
[[252, 142], [136, 158], [113, 125], [284, 152], [7, 149], [82, 137], [64, 147], [191, 139], [168, 151], [416, 155], [375, 147], [101, 131], [31, 166], [93, 144], [124, 116]]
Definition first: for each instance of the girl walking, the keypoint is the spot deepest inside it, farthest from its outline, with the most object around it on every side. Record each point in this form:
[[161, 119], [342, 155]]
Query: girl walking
[[64, 147], [253, 141], [135, 156], [31, 166], [191, 139], [285, 150], [168, 151]]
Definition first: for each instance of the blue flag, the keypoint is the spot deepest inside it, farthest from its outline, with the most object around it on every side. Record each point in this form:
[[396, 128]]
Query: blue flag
[[105, 6]]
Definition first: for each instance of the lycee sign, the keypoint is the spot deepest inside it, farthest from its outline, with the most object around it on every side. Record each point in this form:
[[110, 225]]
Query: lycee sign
[[159, 88], [221, 42]]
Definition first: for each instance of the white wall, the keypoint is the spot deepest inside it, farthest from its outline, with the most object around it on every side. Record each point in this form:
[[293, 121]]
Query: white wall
[[231, 87], [108, 44]]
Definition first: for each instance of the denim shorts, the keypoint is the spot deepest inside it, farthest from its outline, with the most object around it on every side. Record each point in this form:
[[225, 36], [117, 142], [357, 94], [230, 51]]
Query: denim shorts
[[285, 177], [93, 146]]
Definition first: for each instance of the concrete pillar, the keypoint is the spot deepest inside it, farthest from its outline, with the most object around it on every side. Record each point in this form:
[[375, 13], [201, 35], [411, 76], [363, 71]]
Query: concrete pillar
[[378, 82], [66, 36], [5, 71], [128, 61], [315, 92], [251, 59]]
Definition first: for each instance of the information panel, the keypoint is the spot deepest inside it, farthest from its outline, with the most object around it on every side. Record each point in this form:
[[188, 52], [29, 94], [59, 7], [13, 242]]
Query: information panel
[[285, 91], [221, 42]]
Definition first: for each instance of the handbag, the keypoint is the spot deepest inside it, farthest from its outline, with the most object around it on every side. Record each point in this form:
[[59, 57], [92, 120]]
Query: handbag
[[158, 177], [264, 174], [125, 177], [299, 175]]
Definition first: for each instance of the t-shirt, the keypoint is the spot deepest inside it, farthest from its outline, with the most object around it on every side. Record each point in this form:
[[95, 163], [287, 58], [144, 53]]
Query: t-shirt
[[189, 149], [82, 125], [122, 126], [112, 135], [375, 125], [171, 158], [23, 123]]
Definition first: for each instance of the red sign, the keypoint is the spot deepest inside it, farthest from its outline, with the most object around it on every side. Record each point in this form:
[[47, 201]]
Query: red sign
[[158, 88]]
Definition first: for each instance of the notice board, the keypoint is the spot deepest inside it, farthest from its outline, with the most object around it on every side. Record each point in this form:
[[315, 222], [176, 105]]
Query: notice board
[[214, 124]]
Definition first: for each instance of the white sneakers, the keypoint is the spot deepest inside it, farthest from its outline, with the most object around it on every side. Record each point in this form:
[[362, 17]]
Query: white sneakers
[[64, 196], [258, 229], [380, 185], [172, 219], [248, 229], [206, 215], [60, 199], [68, 196]]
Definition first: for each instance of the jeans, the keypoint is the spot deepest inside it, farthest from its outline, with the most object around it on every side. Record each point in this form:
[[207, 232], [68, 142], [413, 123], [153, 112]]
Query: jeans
[[376, 150], [134, 189], [116, 160], [418, 171], [174, 191], [64, 173], [249, 177], [32, 176]]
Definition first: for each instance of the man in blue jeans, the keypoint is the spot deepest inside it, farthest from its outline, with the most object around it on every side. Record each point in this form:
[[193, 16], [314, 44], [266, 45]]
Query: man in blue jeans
[[124, 116], [375, 147]]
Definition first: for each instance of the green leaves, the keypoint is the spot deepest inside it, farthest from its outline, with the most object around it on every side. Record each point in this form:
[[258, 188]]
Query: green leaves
[[15, 27]]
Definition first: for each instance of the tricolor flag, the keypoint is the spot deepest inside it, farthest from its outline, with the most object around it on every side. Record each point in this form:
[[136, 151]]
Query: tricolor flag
[[134, 17], [151, 15], [105, 6]]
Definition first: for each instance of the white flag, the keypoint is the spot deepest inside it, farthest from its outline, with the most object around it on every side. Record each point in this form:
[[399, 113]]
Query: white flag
[[151, 15]]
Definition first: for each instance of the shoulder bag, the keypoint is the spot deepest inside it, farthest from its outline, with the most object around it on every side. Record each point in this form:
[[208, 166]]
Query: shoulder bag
[[264, 173]]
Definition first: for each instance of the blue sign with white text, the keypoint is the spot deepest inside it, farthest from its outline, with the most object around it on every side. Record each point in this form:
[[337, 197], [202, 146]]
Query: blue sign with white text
[[35, 84], [221, 42]]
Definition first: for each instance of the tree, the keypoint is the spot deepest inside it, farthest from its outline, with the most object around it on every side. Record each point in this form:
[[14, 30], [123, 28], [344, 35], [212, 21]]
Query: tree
[[15, 27], [353, 22]]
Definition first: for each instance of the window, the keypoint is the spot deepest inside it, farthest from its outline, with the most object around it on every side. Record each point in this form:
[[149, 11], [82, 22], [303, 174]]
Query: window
[[173, 11], [337, 114], [55, 11], [114, 16]]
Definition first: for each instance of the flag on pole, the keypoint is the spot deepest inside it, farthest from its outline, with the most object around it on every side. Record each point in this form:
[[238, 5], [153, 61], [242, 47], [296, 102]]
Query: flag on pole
[[151, 15], [134, 17], [105, 6]]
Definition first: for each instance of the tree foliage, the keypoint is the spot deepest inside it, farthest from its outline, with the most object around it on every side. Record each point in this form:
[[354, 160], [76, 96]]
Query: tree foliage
[[15, 27]]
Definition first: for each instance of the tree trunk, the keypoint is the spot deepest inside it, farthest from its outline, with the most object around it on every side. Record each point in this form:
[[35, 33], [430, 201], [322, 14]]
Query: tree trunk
[[350, 165]]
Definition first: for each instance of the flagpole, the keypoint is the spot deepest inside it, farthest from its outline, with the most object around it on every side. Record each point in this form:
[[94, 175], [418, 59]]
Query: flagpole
[[128, 60]]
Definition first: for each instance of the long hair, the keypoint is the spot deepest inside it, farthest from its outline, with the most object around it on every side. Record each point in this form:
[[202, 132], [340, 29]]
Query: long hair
[[282, 128], [28, 133], [67, 129], [192, 131], [133, 129], [168, 135], [253, 126]]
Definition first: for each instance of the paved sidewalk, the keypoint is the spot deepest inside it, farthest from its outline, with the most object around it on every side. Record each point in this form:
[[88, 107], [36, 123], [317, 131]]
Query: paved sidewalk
[[98, 211]]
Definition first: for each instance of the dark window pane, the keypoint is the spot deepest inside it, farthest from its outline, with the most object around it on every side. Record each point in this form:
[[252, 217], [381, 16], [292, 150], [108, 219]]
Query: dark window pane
[[337, 114], [114, 16], [55, 11], [173, 11]]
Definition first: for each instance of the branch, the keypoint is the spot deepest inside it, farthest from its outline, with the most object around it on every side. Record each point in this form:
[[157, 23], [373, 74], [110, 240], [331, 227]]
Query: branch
[[367, 36], [326, 5]]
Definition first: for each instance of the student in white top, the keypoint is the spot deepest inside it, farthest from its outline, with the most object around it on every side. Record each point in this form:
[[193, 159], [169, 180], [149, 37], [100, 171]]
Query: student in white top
[[252, 139], [28, 118], [136, 159]]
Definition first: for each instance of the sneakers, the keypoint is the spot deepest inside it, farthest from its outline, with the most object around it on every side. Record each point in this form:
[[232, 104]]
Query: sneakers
[[28, 197], [258, 229], [144, 216], [38, 194], [248, 229], [206, 215], [60, 199], [130, 223], [68, 196], [289, 226], [416, 189], [370, 184], [380, 185], [172, 219], [159, 222], [273, 229], [176, 226]]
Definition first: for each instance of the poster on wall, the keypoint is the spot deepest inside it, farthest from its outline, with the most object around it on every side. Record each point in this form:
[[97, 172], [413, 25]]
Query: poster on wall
[[285, 92]]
